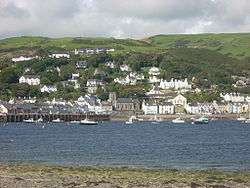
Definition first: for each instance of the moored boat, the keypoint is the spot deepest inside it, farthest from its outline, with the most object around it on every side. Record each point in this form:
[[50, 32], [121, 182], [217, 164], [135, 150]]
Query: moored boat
[[178, 120], [88, 122], [31, 120], [201, 120], [58, 120]]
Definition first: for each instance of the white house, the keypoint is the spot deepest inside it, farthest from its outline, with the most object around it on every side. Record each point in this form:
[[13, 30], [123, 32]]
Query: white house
[[155, 92], [126, 81], [61, 55], [93, 85], [175, 84], [30, 79], [93, 103], [193, 108], [166, 108], [48, 89], [149, 108], [110, 64], [232, 97], [125, 68], [22, 58], [154, 73], [179, 100]]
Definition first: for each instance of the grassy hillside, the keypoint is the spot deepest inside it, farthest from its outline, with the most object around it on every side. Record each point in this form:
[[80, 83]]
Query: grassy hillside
[[29, 45], [234, 45]]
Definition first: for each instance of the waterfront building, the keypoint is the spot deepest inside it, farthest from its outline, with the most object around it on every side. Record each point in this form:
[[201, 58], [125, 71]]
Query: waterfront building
[[166, 108], [127, 104], [150, 108], [30, 79], [179, 100], [193, 108]]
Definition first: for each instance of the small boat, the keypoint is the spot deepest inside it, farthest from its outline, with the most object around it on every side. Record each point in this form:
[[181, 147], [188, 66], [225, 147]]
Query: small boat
[[201, 120], [247, 121], [57, 120], [31, 120], [132, 120], [74, 122], [241, 119], [178, 120], [88, 122]]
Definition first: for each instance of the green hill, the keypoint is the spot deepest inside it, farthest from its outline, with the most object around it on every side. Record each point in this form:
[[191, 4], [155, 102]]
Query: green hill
[[234, 45]]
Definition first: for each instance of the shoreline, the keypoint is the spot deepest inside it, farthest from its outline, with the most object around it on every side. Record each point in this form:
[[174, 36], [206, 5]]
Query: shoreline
[[36, 175], [125, 117]]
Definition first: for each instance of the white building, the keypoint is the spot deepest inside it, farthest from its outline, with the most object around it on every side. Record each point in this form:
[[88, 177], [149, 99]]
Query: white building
[[175, 84], [48, 89], [93, 85], [179, 100], [125, 81], [92, 102], [30, 79], [125, 68], [154, 73], [193, 108], [61, 55], [166, 108], [110, 64], [232, 97], [149, 108], [22, 58]]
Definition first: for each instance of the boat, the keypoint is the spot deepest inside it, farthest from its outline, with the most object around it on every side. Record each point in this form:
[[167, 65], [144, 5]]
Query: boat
[[178, 120], [132, 120], [241, 119], [31, 120], [74, 122], [201, 120], [57, 120], [88, 122]]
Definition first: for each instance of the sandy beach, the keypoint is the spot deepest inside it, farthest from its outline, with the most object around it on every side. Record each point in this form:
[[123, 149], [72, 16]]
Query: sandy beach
[[39, 176]]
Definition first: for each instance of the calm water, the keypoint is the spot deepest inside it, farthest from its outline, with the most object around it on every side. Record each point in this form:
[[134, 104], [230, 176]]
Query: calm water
[[220, 144]]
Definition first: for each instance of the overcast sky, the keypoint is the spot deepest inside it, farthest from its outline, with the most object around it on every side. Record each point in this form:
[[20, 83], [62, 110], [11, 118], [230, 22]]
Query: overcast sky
[[121, 18]]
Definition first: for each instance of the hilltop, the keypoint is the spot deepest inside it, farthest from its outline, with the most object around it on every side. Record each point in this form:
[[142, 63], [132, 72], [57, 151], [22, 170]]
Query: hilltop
[[234, 45]]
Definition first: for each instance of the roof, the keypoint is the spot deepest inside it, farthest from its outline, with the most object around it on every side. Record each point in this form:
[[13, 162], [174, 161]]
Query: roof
[[124, 100], [31, 76]]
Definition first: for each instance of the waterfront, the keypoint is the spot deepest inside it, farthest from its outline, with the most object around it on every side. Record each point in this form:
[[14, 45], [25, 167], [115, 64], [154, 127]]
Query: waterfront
[[220, 144]]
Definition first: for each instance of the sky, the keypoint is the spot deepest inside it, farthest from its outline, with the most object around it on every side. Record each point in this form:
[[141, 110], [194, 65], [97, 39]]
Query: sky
[[121, 18]]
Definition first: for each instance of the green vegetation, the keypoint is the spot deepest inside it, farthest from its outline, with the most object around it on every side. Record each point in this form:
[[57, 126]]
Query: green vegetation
[[234, 45], [196, 57]]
